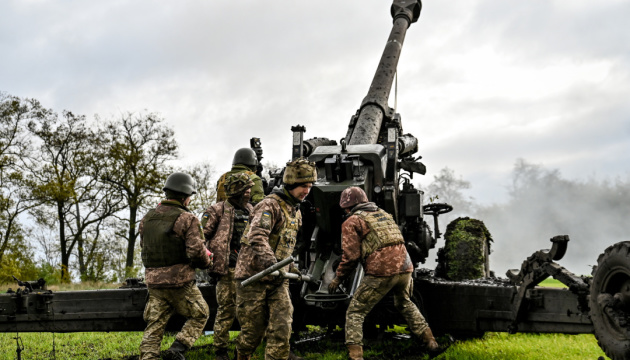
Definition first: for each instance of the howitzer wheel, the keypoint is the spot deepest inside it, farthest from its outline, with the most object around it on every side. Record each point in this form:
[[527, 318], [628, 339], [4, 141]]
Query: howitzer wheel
[[609, 301]]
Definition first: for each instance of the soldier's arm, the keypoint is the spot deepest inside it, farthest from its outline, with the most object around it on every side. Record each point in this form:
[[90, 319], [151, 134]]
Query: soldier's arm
[[263, 221], [257, 190], [188, 227], [352, 231], [209, 221]]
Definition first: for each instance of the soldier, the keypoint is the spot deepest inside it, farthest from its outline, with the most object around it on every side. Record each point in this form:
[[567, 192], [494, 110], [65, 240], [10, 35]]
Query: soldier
[[223, 225], [244, 161], [270, 237], [172, 245], [371, 236]]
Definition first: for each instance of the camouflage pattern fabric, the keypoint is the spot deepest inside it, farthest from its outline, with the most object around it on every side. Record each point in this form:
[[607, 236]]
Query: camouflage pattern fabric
[[162, 304], [371, 290], [466, 250], [387, 261], [264, 309], [300, 171], [257, 190], [267, 221], [383, 232], [352, 196], [217, 223], [284, 239], [236, 184], [187, 227], [226, 311]]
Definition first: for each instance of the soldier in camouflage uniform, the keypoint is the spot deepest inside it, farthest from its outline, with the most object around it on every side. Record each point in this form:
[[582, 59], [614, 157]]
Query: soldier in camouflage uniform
[[270, 237], [223, 225], [370, 236], [172, 245], [244, 161]]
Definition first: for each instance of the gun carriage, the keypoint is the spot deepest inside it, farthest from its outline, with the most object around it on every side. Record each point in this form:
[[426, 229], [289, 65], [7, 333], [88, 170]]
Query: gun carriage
[[379, 157]]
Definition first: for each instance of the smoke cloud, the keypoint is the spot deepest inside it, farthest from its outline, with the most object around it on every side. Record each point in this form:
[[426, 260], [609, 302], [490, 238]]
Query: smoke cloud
[[542, 204]]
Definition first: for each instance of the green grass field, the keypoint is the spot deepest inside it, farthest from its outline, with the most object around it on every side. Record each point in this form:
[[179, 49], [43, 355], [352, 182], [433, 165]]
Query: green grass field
[[124, 345]]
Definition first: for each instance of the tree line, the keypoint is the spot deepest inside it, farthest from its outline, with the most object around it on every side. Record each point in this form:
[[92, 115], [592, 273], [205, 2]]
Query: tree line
[[78, 189]]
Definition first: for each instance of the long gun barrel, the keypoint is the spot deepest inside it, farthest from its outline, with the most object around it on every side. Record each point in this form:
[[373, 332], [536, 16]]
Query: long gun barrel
[[374, 105]]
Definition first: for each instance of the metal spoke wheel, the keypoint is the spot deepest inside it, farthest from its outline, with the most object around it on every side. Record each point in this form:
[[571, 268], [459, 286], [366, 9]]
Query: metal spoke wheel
[[609, 301]]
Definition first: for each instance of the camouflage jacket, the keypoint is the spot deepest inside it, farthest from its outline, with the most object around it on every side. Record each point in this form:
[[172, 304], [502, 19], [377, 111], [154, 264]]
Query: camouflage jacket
[[187, 227], [266, 220], [218, 221], [387, 261], [257, 193]]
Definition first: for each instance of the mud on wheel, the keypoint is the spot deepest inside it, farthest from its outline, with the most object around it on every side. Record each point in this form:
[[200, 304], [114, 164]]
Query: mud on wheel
[[609, 301]]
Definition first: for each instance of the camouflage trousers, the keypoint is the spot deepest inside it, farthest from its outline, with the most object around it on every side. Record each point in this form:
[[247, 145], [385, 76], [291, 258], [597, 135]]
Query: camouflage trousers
[[226, 311], [264, 309], [371, 290], [162, 304]]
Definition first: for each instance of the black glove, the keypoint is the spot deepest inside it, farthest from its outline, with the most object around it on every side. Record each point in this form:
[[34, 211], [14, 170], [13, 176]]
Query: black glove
[[334, 284], [214, 278]]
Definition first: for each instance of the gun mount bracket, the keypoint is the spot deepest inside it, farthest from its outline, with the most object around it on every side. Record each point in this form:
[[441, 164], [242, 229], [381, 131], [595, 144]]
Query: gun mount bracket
[[537, 268]]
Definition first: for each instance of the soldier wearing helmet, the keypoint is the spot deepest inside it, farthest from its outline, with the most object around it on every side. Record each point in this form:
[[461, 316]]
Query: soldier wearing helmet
[[370, 236], [270, 237], [223, 225], [172, 245], [244, 161]]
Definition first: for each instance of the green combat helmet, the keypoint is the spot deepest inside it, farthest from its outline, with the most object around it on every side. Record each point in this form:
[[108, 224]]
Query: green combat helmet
[[300, 171], [245, 156], [237, 184], [181, 183]]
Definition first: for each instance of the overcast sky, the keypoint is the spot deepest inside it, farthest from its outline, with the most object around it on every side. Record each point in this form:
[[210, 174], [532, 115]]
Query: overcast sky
[[481, 82]]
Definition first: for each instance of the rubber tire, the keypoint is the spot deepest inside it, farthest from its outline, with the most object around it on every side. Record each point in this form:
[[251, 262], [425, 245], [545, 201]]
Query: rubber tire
[[609, 276]]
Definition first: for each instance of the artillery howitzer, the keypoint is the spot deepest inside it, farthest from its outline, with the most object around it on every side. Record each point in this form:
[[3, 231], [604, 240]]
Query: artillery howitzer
[[377, 156]]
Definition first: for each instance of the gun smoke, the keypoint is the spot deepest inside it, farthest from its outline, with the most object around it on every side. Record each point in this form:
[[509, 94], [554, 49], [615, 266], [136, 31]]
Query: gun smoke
[[541, 204]]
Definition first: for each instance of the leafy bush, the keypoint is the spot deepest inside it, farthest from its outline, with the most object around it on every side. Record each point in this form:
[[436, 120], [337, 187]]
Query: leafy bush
[[22, 269], [50, 273]]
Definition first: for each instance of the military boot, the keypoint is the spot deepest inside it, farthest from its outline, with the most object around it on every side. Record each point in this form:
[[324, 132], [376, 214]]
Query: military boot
[[176, 351], [355, 352], [429, 340], [221, 354], [292, 356], [240, 356]]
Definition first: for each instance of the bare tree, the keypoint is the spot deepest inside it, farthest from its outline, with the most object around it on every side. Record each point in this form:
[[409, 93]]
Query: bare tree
[[58, 168], [66, 175], [137, 150], [88, 221], [205, 176]]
